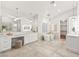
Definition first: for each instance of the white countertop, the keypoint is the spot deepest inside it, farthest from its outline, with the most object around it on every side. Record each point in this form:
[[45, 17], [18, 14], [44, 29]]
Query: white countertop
[[72, 35], [15, 34]]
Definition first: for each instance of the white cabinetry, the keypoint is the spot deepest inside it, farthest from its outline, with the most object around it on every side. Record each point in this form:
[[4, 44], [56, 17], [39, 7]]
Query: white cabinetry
[[30, 37], [72, 39], [26, 38], [72, 43], [5, 44]]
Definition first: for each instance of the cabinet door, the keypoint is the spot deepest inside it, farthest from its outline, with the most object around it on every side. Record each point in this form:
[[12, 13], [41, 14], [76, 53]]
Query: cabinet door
[[72, 43], [30, 37], [1, 45], [27, 38], [5, 44], [75, 42], [33, 37]]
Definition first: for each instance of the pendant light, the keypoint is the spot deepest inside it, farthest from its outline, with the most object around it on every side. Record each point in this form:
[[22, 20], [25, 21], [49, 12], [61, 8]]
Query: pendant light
[[53, 3], [17, 10], [17, 14], [17, 21]]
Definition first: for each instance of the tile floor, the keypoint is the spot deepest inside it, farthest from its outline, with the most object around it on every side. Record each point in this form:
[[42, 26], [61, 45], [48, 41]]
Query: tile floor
[[41, 48]]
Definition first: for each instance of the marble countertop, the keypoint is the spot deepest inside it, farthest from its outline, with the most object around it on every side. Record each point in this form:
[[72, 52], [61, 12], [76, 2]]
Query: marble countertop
[[72, 35], [14, 34], [11, 34]]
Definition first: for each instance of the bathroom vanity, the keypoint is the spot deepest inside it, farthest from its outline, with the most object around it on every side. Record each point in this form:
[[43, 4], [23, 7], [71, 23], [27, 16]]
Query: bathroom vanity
[[30, 37], [72, 43], [8, 41], [5, 43], [72, 38]]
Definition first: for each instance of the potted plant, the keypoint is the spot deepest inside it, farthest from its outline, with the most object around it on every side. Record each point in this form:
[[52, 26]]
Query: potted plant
[[4, 28]]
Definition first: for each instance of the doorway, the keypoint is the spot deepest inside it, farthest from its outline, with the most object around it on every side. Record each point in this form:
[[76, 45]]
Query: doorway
[[63, 29]]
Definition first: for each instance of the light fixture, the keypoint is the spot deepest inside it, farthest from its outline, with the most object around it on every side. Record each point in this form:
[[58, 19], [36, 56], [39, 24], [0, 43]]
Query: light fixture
[[17, 12], [53, 3]]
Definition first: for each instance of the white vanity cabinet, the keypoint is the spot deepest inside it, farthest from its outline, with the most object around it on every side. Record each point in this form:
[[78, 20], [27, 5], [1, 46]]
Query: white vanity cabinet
[[5, 44], [73, 43], [26, 38], [30, 37], [72, 39]]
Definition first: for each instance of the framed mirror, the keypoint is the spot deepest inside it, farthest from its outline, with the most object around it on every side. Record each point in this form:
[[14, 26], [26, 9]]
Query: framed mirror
[[26, 27]]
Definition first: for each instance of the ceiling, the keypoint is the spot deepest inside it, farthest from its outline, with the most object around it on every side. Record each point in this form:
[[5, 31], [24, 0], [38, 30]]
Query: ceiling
[[27, 8]]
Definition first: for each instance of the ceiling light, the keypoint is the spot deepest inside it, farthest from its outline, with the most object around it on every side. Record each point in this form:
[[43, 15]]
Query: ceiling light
[[53, 3]]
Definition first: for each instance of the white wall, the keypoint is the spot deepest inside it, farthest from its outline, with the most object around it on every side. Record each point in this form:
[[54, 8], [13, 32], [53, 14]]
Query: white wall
[[78, 8]]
